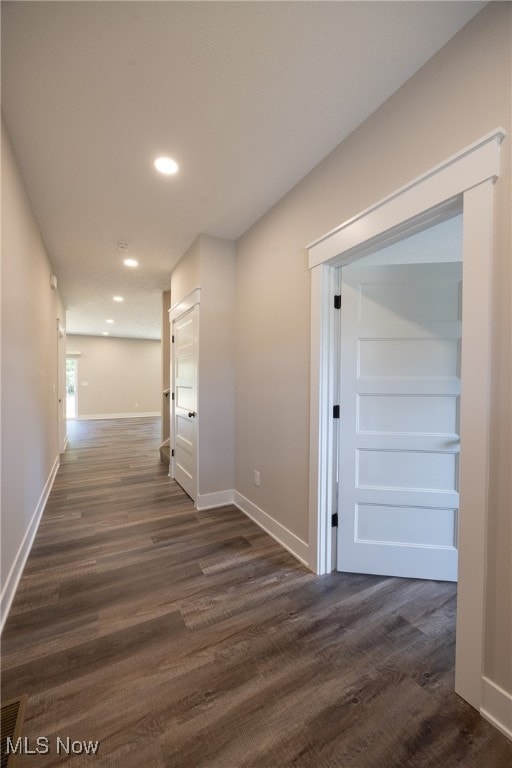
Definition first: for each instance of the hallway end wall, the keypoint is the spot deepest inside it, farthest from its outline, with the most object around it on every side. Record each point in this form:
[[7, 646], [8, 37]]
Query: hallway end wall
[[117, 377]]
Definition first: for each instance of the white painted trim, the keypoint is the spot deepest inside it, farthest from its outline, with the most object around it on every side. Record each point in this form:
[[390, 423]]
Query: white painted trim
[[497, 706], [16, 572], [182, 306], [65, 444], [324, 326], [297, 547], [472, 165], [186, 304], [212, 500], [136, 415], [467, 177], [474, 439]]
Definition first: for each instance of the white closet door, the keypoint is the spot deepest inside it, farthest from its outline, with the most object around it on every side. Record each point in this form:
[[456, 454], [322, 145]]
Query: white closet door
[[185, 421], [399, 428]]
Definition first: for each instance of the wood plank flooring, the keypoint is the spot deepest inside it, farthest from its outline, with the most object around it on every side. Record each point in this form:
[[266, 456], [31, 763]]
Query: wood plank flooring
[[186, 639]]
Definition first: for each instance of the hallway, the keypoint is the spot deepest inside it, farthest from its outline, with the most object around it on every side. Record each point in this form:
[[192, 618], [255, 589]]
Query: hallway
[[186, 639]]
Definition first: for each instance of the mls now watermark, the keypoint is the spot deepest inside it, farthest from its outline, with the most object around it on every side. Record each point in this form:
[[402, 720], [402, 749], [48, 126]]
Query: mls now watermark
[[42, 745]]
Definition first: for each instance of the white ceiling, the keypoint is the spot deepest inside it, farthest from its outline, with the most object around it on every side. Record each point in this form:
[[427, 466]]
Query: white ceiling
[[246, 96]]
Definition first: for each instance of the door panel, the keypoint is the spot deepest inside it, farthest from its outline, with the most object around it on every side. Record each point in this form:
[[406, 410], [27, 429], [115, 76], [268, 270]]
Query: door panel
[[395, 414], [184, 412], [406, 525], [407, 358], [406, 470], [429, 301], [399, 398]]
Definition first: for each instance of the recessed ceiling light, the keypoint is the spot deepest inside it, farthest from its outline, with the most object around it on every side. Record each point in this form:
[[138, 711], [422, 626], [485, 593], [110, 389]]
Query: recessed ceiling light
[[131, 262], [105, 333], [166, 165], [118, 298], [109, 320]]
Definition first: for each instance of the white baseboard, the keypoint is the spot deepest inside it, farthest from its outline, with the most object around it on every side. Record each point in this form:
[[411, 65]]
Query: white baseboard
[[297, 547], [212, 500], [497, 706], [135, 415], [12, 581]]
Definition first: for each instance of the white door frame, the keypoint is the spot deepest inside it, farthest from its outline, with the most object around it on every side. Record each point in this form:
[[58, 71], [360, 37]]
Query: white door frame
[[464, 181], [61, 386], [175, 312]]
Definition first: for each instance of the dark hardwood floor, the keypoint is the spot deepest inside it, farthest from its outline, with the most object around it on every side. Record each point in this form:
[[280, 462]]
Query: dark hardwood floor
[[186, 639]]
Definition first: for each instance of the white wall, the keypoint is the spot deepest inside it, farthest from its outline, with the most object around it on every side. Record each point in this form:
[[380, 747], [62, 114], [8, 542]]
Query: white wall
[[117, 376], [166, 366], [217, 369], [186, 275], [458, 96], [29, 433], [209, 263]]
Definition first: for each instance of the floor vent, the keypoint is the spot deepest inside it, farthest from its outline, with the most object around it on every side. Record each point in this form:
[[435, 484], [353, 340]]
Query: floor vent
[[13, 713]]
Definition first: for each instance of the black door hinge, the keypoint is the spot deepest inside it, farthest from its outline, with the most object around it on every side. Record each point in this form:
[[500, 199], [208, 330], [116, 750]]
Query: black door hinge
[[335, 411], [172, 451], [334, 520], [172, 339], [172, 396], [337, 301]]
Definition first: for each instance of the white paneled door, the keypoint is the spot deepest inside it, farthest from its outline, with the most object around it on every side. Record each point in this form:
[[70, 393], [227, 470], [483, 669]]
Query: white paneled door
[[184, 411], [399, 419]]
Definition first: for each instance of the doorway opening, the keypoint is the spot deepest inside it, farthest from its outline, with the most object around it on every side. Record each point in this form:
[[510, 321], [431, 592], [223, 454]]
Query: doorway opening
[[399, 395], [464, 182], [71, 388]]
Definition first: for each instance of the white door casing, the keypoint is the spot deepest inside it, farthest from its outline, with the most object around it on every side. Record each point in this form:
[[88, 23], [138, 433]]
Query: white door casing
[[465, 180], [399, 396], [61, 386], [184, 320]]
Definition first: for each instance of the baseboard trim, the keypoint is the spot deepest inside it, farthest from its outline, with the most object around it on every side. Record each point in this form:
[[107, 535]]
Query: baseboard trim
[[136, 415], [297, 547], [12, 581], [497, 706], [211, 500]]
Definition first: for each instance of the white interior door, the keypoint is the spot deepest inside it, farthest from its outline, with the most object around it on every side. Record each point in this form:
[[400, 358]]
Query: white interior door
[[399, 427], [184, 405]]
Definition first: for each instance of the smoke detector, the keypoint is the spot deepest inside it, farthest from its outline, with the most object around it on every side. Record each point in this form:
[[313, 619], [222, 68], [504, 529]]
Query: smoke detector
[[122, 246]]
